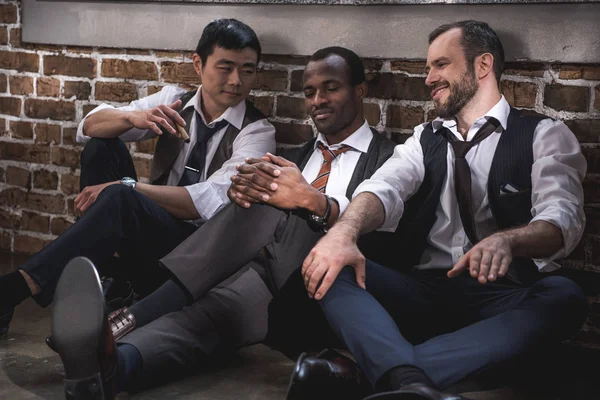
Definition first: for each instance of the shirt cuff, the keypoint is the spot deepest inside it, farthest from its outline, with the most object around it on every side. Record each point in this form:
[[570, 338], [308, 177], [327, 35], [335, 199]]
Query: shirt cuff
[[570, 239], [342, 202], [207, 199]]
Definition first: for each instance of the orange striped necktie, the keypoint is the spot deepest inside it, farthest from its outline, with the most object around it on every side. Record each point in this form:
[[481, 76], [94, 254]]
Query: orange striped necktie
[[328, 156]]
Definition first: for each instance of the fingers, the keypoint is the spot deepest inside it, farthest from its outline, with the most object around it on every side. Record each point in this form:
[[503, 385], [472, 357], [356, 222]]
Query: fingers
[[316, 274], [257, 179], [282, 162], [484, 266], [164, 121], [495, 267], [261, 165], [459, 267], [474, 261], [243, 186], [240, 199], [504, 265], [308, 262], [171, 113], [360, 272]]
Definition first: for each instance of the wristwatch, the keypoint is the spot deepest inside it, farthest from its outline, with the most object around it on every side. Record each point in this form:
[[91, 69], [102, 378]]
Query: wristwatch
[[321, 222], [127, 181]]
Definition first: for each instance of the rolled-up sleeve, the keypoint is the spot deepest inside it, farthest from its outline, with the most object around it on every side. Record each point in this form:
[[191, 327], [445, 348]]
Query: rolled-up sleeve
[[255, 140], [167, 95], [557, 191], [397, 179]]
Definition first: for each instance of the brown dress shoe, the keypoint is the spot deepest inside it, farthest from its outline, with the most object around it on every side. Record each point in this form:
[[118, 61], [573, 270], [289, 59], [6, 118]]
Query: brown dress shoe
[[81, 334], [414, 391], [328, 375]]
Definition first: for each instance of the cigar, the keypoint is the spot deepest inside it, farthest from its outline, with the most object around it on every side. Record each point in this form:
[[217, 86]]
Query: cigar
[[182, 132]]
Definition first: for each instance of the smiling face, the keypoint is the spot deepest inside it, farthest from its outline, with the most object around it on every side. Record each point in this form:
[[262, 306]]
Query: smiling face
[[330, 99], [452, 81], [227, 78]]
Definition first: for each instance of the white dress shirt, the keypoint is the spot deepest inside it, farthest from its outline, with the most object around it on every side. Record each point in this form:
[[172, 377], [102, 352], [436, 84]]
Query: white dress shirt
[[556, 196], [209, 195], [342, 167]]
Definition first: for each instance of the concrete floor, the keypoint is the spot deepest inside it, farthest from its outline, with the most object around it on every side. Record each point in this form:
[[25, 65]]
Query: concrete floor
[[29, 370]]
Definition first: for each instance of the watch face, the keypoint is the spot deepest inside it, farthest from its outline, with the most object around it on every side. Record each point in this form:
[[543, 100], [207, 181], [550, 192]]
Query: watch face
[[128, 181]]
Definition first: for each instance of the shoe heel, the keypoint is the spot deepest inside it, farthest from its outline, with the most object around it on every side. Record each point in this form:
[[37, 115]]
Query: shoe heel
[[89, 388]]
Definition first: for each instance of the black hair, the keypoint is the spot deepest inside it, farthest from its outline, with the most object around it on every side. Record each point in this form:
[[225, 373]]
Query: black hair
[[354, 62], [229, 34], [477, 38]]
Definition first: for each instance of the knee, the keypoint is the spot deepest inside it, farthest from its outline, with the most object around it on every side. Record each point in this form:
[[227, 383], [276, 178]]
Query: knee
[[344, 284], [117, 195], [566, 294]]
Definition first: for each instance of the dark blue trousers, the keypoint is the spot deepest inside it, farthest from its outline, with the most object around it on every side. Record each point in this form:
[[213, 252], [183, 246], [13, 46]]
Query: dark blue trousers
[[449, 328]]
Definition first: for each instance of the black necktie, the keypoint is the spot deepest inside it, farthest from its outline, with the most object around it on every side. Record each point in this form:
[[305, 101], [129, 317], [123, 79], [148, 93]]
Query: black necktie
[[462, 174], [195, 164]]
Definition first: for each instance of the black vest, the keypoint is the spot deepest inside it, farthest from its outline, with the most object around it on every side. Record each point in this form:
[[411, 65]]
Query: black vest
[[380, 149], [169, 146], [512, 163]]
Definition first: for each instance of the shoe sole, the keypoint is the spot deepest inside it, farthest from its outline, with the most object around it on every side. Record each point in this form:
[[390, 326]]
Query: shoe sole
[[292, 385], [78, 318]]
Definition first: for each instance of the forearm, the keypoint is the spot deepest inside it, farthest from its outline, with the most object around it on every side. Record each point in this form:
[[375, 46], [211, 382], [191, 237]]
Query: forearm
[[175, 199], [107, 123], [364, 214], [539, 239]]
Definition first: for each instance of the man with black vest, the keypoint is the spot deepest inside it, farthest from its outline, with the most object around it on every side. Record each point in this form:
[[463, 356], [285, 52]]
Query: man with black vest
[[283, 206], [485, 199], [144, 222]]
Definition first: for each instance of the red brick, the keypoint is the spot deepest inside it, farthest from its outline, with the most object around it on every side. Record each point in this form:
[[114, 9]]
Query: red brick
[[20, 61], [69, 184], [48, 87], [21, 129], [78, 89], [65, 157], [116, 91], [80, 49], [264, 104], [283, 59], [271, 80], [15, 37], [12, 197], [87, 108], [53, 109], [154, 89], [372, 64], [179, 73], [21, 85], [34, 222], [142, 166], [404, 117], [524, 69], [291, 107], [59, 225], [586, 130], [44, 179], [519, 94], [45, 47], [47, 133], [8, 220], [24, 152], [5, 241], [18, 177], [69, 135], [71, 66], [568, 98], [596, 103], [138, 52], [431, 115], [3, 131], [591, 72], [570, 71], [3, 83], [412, 67], [591, 188], [292, 133], [2, 174], [399, 137], [110, 50], [8, 13], [147, 146], [397, 87], [372, 113], [28, 244], [10, 106], [296, 83], [50, 203], [3, 35], [168, 54], [129, 69], [592, 214], [592, 155]]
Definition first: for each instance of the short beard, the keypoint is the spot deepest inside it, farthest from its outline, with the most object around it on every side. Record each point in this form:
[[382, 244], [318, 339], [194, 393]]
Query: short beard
[[460, 94]]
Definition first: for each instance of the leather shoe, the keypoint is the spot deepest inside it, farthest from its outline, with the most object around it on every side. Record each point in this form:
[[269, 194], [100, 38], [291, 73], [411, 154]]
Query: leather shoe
[[414, 391], [81, 334], [328, 375], [5, 318]]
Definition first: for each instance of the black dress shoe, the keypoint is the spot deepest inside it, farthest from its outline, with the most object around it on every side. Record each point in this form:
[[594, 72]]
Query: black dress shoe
[[5, 318], [82, 335], [328, 375], [415, 391]]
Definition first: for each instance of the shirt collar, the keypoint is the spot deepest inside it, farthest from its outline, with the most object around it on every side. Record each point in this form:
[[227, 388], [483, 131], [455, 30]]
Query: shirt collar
[[500, 111], [234, 115], [358, 140]]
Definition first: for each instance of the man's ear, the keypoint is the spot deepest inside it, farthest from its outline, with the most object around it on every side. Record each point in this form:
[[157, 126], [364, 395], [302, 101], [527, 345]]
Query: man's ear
[[361, 90], [197, 61], [484, 65]]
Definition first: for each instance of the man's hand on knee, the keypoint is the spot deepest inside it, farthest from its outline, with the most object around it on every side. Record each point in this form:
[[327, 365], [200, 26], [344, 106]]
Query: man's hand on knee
[[487, 260], [88, 196]]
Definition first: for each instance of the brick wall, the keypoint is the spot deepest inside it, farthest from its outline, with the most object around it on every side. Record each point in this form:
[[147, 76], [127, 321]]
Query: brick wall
[[45, 90]]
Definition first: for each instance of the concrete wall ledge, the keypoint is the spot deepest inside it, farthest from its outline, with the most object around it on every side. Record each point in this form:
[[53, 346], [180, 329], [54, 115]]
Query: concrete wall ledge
[[538, 32]]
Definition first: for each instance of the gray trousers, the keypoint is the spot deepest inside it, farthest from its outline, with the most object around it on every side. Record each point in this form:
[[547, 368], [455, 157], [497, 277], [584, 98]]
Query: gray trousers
[[232, 288]]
